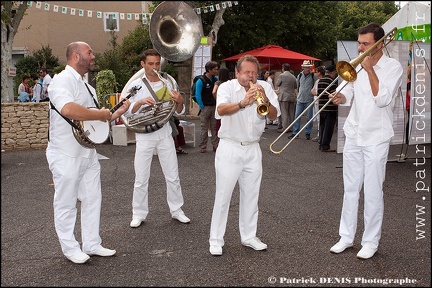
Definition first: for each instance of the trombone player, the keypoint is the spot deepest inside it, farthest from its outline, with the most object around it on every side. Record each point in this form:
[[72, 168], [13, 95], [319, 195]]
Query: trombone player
[[242, 105], [368, 130]]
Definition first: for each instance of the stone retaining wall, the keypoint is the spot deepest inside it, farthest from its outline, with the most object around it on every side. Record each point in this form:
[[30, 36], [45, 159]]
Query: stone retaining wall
[[25, 125]]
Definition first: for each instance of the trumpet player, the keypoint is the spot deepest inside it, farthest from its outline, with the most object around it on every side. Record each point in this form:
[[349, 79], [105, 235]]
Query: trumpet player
[[242, 106], [368, 130]]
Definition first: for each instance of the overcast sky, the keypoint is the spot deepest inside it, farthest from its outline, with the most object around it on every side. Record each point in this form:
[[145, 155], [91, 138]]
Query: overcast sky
[[402, 3]]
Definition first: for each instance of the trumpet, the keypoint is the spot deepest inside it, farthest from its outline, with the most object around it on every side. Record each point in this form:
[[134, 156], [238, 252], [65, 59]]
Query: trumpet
[[263, 107], [346, 71]]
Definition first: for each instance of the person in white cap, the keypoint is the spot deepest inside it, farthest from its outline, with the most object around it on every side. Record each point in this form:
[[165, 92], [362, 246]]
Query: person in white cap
[[305, 83]]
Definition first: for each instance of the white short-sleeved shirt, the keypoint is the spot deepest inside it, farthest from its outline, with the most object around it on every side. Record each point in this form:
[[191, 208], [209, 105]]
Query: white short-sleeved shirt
[[68, 86], [246, 125]]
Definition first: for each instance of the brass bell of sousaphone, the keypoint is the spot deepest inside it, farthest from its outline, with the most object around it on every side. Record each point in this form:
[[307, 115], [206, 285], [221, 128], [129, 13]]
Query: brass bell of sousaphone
[[175, 30]]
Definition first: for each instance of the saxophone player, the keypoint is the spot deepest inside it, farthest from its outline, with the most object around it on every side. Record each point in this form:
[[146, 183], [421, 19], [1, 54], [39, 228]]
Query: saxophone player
[[159, 140]]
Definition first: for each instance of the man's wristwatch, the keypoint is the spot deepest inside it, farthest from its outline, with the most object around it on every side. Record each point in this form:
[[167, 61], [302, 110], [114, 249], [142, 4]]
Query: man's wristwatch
[[240, 106]]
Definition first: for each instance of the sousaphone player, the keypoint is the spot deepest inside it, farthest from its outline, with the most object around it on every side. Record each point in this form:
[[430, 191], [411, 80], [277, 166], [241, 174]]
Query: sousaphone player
[[154, 86], [169, 35]]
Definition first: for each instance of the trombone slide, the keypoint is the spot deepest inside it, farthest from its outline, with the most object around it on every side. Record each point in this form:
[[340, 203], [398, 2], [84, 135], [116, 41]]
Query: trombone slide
[[346, 71], [301, 114]]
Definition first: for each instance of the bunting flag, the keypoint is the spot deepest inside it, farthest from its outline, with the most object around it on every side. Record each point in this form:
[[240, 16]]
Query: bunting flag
[[121, 15]]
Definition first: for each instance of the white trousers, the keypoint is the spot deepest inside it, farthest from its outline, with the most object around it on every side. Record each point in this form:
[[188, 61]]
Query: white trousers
[[363, 166], [234, 162], [76, 179], [168, 160]]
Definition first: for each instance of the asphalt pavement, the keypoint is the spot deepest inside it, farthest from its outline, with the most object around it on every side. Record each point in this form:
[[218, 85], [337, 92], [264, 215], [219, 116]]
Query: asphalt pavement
[[300, 205]]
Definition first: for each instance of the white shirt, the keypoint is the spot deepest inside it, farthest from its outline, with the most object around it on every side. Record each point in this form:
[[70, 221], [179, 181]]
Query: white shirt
[[370, 120], [246, 125], [45, 83], [270, 81], [37, 90], [67, 87], [21, 88]]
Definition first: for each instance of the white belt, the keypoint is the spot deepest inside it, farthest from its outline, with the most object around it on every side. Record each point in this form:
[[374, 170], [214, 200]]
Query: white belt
[[242, 143]]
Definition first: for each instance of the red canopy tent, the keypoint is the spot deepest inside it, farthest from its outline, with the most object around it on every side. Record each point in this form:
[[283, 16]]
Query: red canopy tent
[[273, 57]]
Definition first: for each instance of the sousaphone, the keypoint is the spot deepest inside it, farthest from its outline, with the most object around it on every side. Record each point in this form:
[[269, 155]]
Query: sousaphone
[[175, 32]]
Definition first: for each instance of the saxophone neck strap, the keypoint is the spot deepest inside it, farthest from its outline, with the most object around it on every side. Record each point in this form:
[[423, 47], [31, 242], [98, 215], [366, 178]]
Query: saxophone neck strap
[[151, 89]]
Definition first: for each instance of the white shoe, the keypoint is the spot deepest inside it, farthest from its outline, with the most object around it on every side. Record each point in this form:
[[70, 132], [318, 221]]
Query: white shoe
[[135, 223], [215, 250], [366, 252], [340, 247], [181, 217], [104, 252], [255, 243], [79, 258]]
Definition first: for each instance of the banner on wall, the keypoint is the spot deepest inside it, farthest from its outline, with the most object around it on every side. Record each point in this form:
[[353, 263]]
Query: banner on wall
[[412, 21]]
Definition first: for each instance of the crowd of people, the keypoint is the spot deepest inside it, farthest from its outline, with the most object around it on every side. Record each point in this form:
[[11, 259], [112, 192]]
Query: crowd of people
[[228, 109], [34, 88]]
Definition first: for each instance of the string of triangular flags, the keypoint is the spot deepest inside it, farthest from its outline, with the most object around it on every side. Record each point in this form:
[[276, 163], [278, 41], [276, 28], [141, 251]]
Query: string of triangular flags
[[212, 7], [122, 16]]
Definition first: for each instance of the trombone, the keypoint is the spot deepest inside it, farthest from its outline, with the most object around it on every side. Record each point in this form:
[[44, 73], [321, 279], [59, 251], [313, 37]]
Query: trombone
[[346, 71]]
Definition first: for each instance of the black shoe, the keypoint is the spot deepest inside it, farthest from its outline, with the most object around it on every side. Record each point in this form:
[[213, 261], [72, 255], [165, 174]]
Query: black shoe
[[328, 150], [308, 137], [291, 136]]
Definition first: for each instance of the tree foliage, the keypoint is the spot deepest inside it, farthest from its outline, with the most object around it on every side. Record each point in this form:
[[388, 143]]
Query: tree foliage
[[123, 59], [12, 12], [32, 63], [38, 59], [311, 27], [105, 84]]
